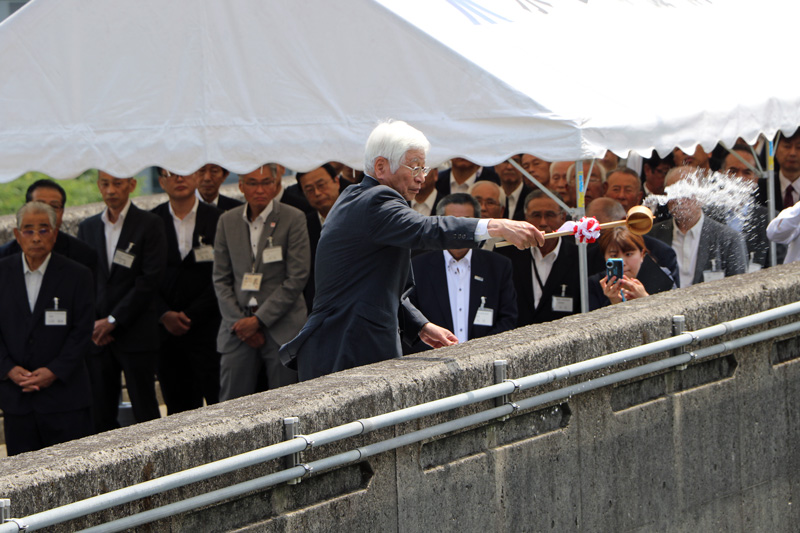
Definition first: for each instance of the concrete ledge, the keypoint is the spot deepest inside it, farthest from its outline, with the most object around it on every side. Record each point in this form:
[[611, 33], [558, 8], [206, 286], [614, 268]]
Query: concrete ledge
[[714, 453]]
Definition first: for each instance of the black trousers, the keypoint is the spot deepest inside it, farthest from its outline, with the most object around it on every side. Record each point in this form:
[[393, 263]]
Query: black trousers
[[140, 379], [188, 370], [34, 431]]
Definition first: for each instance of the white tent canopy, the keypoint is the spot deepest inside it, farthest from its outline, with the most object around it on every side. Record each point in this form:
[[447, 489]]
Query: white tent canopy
[[121, 84]]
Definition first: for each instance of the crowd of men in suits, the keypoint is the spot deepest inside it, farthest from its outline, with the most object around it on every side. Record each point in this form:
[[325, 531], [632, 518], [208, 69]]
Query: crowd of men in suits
[[204, 290]]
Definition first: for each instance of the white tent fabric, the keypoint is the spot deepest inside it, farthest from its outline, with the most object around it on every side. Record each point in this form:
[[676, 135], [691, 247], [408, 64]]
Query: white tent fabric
[[124, 84]]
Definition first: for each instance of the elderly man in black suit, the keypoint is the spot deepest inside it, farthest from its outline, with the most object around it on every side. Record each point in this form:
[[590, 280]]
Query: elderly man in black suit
[[54, 195], [46, 318], [131, 259], [546, 278], [188, 362], [468, 291], [364, 259]]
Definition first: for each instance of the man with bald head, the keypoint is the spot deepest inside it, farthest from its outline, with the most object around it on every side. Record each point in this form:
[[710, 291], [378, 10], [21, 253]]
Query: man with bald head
[[491, 198], [609, 210], [131, 262], [706, 249]]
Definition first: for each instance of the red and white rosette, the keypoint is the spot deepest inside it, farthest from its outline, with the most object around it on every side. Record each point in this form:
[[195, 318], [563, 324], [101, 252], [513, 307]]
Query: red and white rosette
[[586, 230]]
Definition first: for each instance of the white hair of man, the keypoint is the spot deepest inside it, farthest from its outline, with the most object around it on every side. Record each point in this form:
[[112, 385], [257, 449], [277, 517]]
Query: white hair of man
[[392, 139], [33, 208], [501, 195], [597, 165]]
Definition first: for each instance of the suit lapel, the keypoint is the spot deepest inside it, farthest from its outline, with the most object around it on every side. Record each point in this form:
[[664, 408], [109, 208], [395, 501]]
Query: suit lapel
[[477, 288], [438, 278], [102, 250], [19, 288], [703, 251], [125, 236], [269, 228], [45, 300]]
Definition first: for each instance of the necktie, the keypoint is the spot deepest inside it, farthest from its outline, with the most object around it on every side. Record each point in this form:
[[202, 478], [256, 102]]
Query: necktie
[[788, 197], [508, 213]]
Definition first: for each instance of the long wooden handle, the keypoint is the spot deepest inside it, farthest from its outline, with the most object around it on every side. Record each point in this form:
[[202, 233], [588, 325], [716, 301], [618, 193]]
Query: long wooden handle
[[556, 234]]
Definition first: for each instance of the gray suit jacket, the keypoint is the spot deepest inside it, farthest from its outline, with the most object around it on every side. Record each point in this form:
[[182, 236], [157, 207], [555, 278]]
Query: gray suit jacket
[[717, 241], [281, 307], [363, 277]]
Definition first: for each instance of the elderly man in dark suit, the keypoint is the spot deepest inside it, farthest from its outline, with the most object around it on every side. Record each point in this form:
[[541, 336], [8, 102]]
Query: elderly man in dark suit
[[364, 272], [188, 361], [468, 291], [54, 195], [261, 263], [131, 259], [547, 278], [46, 318]]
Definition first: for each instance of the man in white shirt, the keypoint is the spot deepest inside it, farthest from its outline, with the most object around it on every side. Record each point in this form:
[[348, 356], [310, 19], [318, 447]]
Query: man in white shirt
[[470, 292], [787, 154], [131, 260], [624, 186], [210, 178], [546, 278], [785, 229], [46, 318], [188, 361], [461, 175], [261, 265], [706, 249]]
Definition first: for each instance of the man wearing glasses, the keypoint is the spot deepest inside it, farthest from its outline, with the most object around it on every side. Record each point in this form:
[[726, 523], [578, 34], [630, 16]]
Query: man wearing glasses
[[52, 194], [46, 318], [261, 265], [363, 261]]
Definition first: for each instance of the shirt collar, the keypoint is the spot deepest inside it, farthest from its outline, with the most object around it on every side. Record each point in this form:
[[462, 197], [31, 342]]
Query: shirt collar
[[537, 253], [786, 183], [450, 260], [213, 202], [515, 194], [262, 216], [694, 231], [191, 213], [121, 217], [26, 269]]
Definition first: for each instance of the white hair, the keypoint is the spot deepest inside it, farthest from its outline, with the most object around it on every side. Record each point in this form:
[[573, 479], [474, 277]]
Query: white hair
[[36, 207], [597, 165], [501, 196], [392, 139]]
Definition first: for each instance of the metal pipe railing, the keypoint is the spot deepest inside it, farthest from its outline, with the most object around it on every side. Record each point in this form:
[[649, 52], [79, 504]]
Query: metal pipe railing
[[302, 442]]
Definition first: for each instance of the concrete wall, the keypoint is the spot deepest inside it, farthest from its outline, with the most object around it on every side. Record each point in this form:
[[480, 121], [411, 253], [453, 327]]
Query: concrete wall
[[709, 448]]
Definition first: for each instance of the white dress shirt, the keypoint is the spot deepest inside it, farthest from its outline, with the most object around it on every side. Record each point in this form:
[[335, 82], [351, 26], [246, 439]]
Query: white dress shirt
[[685, 246], [184, 228], [513, 200], [462, 187], [542, 266], [112, 231], [785, 229], [33, 279], [425, 207], [795, 185], [256, 227], [458, 282]]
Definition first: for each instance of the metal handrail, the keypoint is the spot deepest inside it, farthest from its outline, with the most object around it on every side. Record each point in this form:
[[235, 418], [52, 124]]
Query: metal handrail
[[303, 442]]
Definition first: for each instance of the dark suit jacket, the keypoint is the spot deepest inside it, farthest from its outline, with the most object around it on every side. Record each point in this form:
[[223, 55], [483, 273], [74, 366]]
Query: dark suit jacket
[[293, 196], [130, 294], [187, 285], [717, 241], [661, 252], [314, 228], [363, 273], [519, 210], [443, 181], [66, 245], [26, 341], [565, 272], [225, 203], [490, 277]]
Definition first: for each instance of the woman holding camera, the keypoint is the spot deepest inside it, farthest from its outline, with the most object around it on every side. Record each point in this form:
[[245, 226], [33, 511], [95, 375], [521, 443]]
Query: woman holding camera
[[620, 243]]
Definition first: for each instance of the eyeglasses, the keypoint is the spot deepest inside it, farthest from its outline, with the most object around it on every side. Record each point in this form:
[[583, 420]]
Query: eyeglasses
[[416, 171], [43, 232], [488, 202], [256, 184]]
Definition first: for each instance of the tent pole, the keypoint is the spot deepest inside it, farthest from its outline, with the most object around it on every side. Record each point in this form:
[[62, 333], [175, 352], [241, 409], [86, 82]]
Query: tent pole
[[541, 187], [578, 213], [773, 251]]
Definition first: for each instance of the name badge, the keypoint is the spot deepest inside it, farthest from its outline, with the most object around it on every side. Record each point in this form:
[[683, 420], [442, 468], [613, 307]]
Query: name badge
[[753, 267], [562, 304], [54, 317], [123, 259], [203, 254], [273, 254], [713, 275], [484, 317], [251, 282]]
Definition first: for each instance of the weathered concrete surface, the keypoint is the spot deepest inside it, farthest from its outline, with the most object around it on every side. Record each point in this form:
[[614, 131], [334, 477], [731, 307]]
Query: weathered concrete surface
[[708, 448]]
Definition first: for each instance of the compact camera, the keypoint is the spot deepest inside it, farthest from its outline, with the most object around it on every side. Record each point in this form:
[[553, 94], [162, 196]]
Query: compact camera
[[614, 268]]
